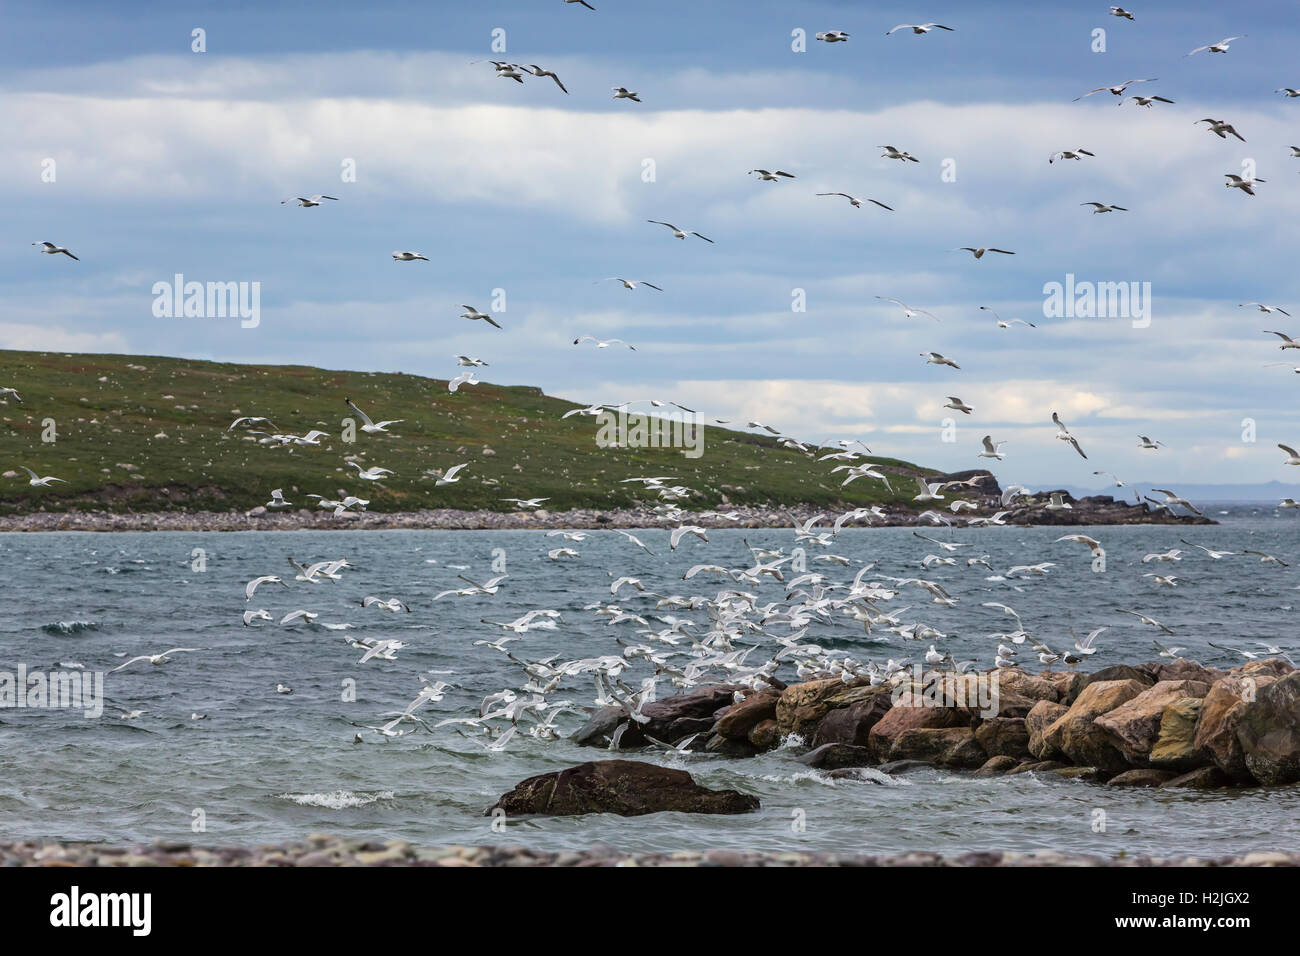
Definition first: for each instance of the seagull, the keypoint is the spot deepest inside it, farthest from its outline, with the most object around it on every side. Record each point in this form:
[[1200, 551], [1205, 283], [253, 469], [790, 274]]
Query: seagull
[[1288, 503], [1151, 622], [1220, 47], [1063, 434], [7, 393], [259, 615], [1265, 308], [308, 201], [449, 476], [1058, 503], [623, 93], [1145, 100], [678, 533], [1084, 646], [251, 420], [1216, 555], [368, 426], [1119, 12], [1245, 185], [1092, 543], [409, 256], [891, 153], [39, 482], [1069, 154], [602, 343], [536, 70], [631, 284], [990, 449], [464, 378], [583, 2], [1221, 128], [1007, 323], [857, 203], [1292, 457], [50, 249], [1288, 92], [292, 616], [475, 315], [1116, 90], [1102, 207], [251, 587], [978, 253], [156, 659], [522, 503], [1145, 442], [928, 491], [1287, 341], [634, 539], [679, 233], [374, 473], [283, 689], [277, 499], [1170, 652], [956, 404], [1267, 558], [936, 359], [1173, 499], [770, 177], [469, 361], [920, 28], [907, 311], [833, 36]]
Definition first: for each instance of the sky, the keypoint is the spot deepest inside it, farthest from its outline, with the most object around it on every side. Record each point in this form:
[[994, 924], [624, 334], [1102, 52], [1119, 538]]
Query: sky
[[166, 161]]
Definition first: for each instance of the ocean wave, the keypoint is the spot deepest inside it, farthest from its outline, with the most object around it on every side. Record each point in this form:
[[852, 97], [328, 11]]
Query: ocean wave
[[337, 799], [70, 627]]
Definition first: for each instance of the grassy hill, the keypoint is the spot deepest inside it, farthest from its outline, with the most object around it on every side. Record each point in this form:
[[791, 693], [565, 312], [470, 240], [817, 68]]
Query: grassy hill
[[146, 433]]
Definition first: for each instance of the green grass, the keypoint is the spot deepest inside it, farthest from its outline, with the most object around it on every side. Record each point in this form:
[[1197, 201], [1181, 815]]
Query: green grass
[[109, 411]]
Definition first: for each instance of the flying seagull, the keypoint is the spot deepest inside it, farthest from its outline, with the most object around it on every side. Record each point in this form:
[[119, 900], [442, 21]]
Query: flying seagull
[[1116, 90], [474, 315], [1069, 154], [1220, 47], [307, 201], [978, 252], [857, 203], [679, 233], [50, 249], [920, 28]]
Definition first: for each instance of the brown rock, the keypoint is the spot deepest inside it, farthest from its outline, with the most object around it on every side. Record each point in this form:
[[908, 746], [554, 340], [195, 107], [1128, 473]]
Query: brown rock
[[1216, 731], [838, 756], [1183, 669], [1203, 778], [1041, 716], [1121, 672], [1067, 684], [1273, 666], [1013, 680], [996, 766], [852, 724], [944, 746], [1077, 736], [1175, 746], [906, 715], [1004, 736], [1037, 766], [765, 735], [1135, 724], [1142, 777], [626, 787], [802, 706], [1269, 732], [739, 719]]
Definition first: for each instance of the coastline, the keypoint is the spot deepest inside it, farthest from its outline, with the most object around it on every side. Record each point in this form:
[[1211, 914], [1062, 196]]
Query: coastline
[[1100, 510], [325, 850]]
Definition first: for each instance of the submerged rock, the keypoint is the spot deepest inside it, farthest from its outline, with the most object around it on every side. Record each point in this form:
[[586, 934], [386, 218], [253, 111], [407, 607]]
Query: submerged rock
[[626, 787]]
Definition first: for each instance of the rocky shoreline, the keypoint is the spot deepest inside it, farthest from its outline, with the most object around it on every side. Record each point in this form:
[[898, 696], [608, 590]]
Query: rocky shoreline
[[326, 850], [1167, 723], [1096, 510]]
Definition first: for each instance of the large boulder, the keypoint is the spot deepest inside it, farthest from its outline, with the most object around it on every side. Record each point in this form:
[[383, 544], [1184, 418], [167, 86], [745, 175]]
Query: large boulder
[[1203, 778], [838, 756], [1175, 747], [765, 735], [739, 719], [1183, 669], [1216, 731], [944, 746], [909, 713], [1269, 732], [1141, 777], [1004, 736], [852, 724], [1121, 672], [671, 718], [1135, 724], [627, 787], [1040, 717], [599, 728], [802, 706], [1012, 680], [996, 766], [1076, 733]]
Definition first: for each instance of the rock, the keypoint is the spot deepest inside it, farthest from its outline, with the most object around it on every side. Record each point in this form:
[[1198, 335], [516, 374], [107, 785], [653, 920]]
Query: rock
[[1273, 666], [1203, 778], [726, 747], [1216, 731], [1067, 684], [894, 767], [1175, 746], [1041, 716], [1038, 766], [944, 746], [852, 724], [1269, 732], [1142, 777], [626, 787], [1183, 669], [765, 735], [600, 727], [905, 716], [1078, 773], [739, 719], [1004, 736], [838, 756], [802, 706], [1135, 724], [675, 717], [1077, 736], [1121, 672], [996, 766], [1015, 681]]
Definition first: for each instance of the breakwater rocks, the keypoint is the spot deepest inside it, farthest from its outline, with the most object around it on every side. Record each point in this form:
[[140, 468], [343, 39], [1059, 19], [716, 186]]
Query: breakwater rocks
[[629, 788], [326, 850], [1168, 723], [1100, 510]]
